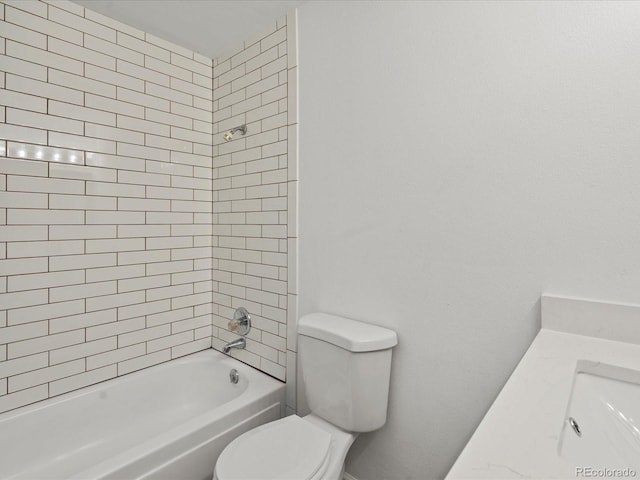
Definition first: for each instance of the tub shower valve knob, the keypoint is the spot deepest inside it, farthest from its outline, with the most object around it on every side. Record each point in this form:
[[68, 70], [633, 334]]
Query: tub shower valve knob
[[241, 323]]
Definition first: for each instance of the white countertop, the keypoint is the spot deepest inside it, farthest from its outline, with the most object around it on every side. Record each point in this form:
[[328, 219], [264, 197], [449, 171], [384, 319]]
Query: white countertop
[[518, 437]]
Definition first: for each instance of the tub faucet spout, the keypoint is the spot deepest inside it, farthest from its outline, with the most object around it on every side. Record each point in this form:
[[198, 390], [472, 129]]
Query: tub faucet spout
[[239, 343]]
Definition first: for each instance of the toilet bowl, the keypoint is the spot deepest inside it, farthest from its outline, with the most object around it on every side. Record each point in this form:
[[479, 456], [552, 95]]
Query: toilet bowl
[[345, 369]]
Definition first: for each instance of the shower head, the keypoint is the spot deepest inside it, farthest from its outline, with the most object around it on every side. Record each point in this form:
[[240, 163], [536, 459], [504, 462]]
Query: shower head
[[228, 136]]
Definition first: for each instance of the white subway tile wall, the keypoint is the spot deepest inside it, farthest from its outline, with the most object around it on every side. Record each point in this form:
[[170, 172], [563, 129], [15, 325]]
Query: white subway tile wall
[[254, 198], [106, 212]]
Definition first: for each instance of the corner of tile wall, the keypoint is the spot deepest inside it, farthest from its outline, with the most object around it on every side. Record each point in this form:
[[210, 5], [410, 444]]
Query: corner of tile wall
[[255, 197], [106, 179]]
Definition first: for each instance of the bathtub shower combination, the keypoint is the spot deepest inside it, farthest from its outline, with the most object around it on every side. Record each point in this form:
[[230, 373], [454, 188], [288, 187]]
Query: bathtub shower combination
[[169, 421]]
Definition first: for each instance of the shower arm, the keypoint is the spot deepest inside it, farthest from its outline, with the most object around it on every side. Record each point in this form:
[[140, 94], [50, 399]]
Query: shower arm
[[241, 128]]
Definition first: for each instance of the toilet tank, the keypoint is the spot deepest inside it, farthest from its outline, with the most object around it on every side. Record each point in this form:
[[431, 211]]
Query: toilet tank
[[345, 368]]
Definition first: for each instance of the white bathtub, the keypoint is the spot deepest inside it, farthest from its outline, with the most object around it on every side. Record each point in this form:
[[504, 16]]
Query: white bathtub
[[170, 421]]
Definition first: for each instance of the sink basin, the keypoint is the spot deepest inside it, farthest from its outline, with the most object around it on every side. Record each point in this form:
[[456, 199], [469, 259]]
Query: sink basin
[[601, 428]]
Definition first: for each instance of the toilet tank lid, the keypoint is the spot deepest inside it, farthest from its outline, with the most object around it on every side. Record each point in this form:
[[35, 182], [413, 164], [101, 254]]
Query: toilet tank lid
[[345, 333]]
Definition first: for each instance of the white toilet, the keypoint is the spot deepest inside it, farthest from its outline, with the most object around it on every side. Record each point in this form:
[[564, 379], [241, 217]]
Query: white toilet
[[345, 368]]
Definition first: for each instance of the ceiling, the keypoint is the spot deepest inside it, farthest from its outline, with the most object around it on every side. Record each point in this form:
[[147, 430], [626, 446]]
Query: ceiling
[[209, 27]]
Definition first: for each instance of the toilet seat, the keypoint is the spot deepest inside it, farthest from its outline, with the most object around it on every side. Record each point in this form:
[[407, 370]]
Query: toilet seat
[[287, 449]]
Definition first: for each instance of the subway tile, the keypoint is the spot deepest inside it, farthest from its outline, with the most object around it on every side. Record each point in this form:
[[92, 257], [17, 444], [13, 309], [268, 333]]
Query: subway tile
[[113, 218], [23, 69], [143, 73], [168, 143], [74, 382], [140, 309], [114, 273], [202, 342], [128, 231], [140, 283], [23, 35], [43, 25], [169, 193], [44, 344], [120, 80], [114, 245], [82, 350], [81, 172], [87, 290], [158, 116], [139, 45], [23, 332], [81, 54], [13, 233], [192, 183], [113, 161], [203, 81], [44, 217], [140, 151], [170, 94], [189, 64], [114, 328], [23, 134], [79, 23], [143, 204], [36, 184], [44, 280], [274, 67], [142, 99], [171, 218], [190, 89], [9, 98], [169, 316], [169, 242], [32, 6], [43, 89], [45, 375], [46, 248], [38, 152], [23, 397], [169, 168], [69, 232], [191, 277], [23, 299], [113, 50], [193, 112], [104, 109], [46, 122], [44, 57], [114, 189], [190, 300], [81, 143], [71, 262], [83, 320], [110, 133], [45, 312], [169, 267], [114, 300], [23, 200], [82, 113], [169, 341], [139, 336], [115, 356], [146, 256], [21, 266], [143, 361], [140, 125], [169, 292], [29, 363]]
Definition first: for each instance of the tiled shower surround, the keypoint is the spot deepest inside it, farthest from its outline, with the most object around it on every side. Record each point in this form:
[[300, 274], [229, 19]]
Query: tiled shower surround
[[123, 222], [253, 190]]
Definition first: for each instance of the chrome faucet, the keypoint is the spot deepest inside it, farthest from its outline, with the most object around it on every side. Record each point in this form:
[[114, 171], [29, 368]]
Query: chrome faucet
[[239, 343]]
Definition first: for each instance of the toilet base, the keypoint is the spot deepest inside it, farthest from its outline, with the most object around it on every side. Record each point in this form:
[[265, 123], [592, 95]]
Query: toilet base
[[341, 442]]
